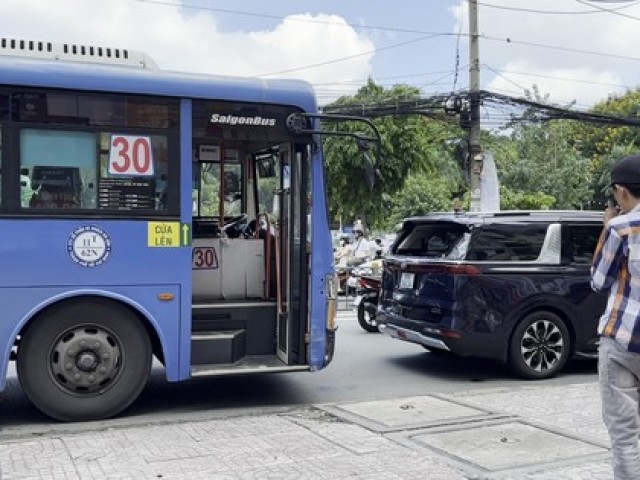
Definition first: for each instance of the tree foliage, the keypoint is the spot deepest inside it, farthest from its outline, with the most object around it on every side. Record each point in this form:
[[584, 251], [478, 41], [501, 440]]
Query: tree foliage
[[409, 144], [596, 142], [421, 193], [603, 145], [541, 165], [547, 162], [544, 161], [522, 200]]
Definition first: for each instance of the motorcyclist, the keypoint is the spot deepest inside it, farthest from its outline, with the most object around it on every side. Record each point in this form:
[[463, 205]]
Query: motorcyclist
[[351, 256], [361, 251], [342, 253]]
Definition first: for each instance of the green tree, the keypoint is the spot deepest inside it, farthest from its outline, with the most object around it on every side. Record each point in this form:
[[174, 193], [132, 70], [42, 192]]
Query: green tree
[[521, 200], [421, 193], [596, 141], [542, 163], [602, 145], [547, 162], [602, 172], [411, 143]]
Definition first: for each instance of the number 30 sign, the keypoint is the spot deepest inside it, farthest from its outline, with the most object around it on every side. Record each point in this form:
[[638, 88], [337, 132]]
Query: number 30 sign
[[130, 155]]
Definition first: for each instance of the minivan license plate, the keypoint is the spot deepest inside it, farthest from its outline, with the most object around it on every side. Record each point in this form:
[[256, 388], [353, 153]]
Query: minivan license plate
[[406, 280]]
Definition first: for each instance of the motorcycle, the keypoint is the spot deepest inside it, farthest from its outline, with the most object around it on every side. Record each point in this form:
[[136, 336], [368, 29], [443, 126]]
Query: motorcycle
[[366, 301], [365, 280]]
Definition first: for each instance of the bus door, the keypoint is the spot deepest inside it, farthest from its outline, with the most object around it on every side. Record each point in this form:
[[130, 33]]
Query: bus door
[[283, 249], [292, 261]]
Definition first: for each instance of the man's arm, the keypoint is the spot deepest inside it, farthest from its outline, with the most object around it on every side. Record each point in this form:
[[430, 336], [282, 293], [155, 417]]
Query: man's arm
[[606, 259]]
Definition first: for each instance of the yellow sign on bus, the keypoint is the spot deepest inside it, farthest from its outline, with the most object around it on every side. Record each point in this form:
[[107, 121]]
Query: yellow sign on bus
[[168, 234]]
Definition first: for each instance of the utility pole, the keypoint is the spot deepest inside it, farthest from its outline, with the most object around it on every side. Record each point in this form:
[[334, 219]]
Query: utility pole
[[476, 156]]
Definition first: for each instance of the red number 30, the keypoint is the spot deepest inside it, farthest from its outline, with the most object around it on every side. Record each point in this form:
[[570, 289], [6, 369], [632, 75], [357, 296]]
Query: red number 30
[[130, 155]]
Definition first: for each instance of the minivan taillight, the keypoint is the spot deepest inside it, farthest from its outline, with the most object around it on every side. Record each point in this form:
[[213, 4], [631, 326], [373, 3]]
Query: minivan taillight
[[443, 269], [463, 269]]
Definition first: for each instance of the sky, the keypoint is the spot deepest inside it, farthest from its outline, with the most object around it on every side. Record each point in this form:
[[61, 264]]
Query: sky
[[573, 50]]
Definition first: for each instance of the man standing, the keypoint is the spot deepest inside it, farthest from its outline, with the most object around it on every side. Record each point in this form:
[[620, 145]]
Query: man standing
[[616, 268]]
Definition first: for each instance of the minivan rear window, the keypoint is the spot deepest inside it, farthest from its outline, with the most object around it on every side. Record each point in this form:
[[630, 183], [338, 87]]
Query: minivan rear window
[[435, 240]]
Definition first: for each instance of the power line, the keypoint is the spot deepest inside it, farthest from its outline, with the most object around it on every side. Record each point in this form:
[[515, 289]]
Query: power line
[[429, 34], [559, 48], [564, 79], [389, 77], [282, 17], [348, 90], [559, 12], [518, 94], [350, 57], [612, 11], [501, 110], [436, 81], [457, 55], [404, 30], [505, 78]]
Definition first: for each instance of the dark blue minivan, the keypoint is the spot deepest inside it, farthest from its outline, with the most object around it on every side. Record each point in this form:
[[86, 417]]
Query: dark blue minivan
[[511, 286]]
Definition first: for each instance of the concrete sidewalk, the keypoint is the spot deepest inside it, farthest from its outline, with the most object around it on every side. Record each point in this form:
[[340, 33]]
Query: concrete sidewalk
[[532, 432]]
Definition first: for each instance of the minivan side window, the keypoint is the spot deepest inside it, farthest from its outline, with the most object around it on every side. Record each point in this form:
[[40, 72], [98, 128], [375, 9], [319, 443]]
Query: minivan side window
[[582, 242], [512, 242], [434, 240]]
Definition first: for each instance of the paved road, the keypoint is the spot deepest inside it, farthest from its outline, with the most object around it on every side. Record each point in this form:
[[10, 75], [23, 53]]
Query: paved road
[[366, 367]]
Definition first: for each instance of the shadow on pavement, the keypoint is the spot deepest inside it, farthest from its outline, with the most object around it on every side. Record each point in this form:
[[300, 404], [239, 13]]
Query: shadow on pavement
[[464, 369]]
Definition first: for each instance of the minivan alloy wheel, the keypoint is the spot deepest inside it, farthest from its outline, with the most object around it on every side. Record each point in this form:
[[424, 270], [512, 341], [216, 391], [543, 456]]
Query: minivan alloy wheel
[[540, 346]]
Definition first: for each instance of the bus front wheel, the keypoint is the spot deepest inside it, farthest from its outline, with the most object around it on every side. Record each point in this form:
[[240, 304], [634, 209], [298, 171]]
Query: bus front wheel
[[84, 360]]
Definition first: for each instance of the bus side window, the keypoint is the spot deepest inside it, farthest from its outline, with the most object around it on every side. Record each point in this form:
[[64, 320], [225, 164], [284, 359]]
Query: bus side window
[[53, 167]]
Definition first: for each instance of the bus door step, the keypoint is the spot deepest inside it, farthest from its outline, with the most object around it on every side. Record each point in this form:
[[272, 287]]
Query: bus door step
[[218, 346]]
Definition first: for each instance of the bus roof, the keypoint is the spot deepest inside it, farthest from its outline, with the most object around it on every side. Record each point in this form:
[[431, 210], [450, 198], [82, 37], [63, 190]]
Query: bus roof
[[95, 77]]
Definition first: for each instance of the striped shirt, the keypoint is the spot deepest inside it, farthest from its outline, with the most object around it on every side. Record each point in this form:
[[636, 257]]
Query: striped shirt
[[616, 267]]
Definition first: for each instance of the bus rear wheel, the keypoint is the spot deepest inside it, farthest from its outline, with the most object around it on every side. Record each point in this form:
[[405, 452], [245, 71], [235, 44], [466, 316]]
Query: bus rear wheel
[[85, 360]]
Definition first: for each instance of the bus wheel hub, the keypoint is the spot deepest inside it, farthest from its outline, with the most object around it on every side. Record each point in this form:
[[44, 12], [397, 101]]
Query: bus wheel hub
[[86, 360]]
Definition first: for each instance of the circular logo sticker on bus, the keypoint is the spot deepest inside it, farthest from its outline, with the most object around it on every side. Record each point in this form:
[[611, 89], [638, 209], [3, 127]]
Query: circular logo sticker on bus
[[89, 246]]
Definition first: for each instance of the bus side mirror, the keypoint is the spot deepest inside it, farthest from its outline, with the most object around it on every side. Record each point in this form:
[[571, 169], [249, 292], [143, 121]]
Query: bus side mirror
[[297, 125], [369, 171], [364, 146]]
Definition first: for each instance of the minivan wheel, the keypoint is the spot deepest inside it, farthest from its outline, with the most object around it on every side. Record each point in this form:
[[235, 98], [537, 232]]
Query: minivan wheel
[[539, 346]]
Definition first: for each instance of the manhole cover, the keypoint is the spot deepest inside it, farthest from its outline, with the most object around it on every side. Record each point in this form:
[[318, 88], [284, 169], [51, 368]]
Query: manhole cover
[[412, 412], [509, 445]]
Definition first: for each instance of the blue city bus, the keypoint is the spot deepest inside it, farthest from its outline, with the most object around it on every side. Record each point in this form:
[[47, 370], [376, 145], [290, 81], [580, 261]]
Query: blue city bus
[[151, 214]]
